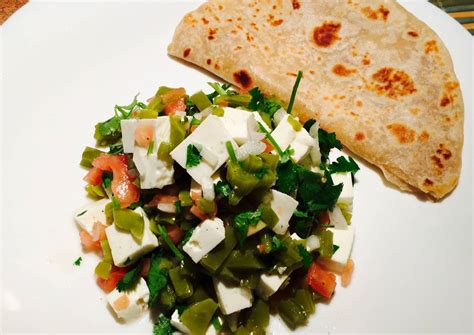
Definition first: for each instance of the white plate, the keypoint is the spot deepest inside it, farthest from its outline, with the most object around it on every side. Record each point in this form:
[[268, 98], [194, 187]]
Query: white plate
[[64, 67]]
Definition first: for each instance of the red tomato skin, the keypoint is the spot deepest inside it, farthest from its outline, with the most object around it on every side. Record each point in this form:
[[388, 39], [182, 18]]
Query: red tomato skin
[[94, 176], [175, 106], [175, 233], [108, 285], [321, 281]]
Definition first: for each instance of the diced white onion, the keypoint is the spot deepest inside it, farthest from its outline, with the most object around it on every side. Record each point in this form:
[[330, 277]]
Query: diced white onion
[[207, 155], [313, 131], [208, 189], [253, 130], [167, 207], [250, 148], [279, 115]]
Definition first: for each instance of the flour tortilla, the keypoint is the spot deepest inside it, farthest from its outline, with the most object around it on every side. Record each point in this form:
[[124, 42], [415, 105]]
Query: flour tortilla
[[373, 73]]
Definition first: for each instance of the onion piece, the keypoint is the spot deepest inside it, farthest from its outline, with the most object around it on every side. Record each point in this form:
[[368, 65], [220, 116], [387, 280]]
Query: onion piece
[[208, 189], [279, 115]]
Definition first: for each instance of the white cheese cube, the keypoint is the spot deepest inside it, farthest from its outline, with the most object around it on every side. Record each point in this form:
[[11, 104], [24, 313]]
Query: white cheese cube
[[132, 304], [128, 134], [335, 153], [125, 248], [312, 243], [347, 194], [336, 218], [212, 135], [343, 238], [270, 283], [176, 322], [154, 173], [284, 206], [232, 298], [300, 141], [206, 236], [295, 237], [89, 214], [236, 122]]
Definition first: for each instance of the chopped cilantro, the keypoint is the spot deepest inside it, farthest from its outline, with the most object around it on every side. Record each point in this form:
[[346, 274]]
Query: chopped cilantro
[[334, 248], [78, 261], [157, 278], [307, 257], [193, 156], [300, 214], [327, 141], [135, 205], [177, 205], [218, 90], [261, 173], [129, 281], [303, 227], [195, 122], [81, 213], [276, 244], [162, 326], [115, 202], [187, 235], [343, 165], [287, 181], [116, 148], [308, 124], [259, 102], [293, 92], [181, 308], [127, 261], [242, 222], [164, 235], [222, 188], [216, 323], [107, 177], [151, 146]]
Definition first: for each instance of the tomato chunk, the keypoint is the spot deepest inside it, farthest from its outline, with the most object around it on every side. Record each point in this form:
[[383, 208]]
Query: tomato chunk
[[108, 285], [88, 242], [94, 177], [321, 281], [175, 233], [175, 106], [122, 183]]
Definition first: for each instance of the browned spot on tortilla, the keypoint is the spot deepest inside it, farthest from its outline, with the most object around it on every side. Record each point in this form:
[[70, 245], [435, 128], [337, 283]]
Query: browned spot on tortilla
[[204, 20], [239, 27], [437, 162], [266, 48], [277, 22], [424, 136], [209, 61], [217, 18], [451, 86], [296, 4], [326, 34], [413, 33], [359, 136], [442, 151], [427, 182], [189, 19], [354, 113], [392, 83], [249, 37], [239, 18], [431, 46], [212, 33], [238, 48], [234, 32], [402, 133], [380, 13], [217, 66], [359, 103], [254, 26], [445, 101], [341, 70], [311, 71], [230, 20], [220, 7], [186, 52], [366, 60], [292, 74], [447, 119], [243, 79], [414, 111]]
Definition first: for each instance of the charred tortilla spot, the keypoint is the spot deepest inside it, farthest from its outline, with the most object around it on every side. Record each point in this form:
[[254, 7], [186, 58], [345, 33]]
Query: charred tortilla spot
[[431, 46], [311, 71], [445, 101], [220, 7], [217, 67], [186, 52], [243, 79], [209, 61], [428, 182], [249, 37], [414, 111], [380, 13], [277, 22], [292, 74], [359, 136], [392, 83], [366, 60], [403, 134], [437, 162], [212, 33], [341, 70], [204, 20], [444, 152], [413, 34], [359, 103], [326, 34], [424, 136], [296, 4]]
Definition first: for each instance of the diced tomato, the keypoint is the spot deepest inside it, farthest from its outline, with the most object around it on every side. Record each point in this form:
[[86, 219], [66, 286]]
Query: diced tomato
[[94, 177], [196, 195], [108, 285], [173, 95], [175, 233], [198, 213], [144, 135], [162, 199], [268, 147], [324, 218], [347, 273], [223, 103], [145, 263], [175, 106], [122, 183], [321, 281], [88, 242], [98, 232]]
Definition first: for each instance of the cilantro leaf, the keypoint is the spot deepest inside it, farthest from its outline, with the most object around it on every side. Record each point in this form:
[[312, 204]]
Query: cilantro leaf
[[343, 165], [242, 222], [81, 213], [78, 261], [334, 248], [222, 188], [260, 174], [216, 323], [307, 257], [259, 102], [107, 177], [116, 148], [187, 235], [327, 141], [193, 156], [287, 181], [129, 281], [164, 235], [276, 244], [157, 278], [308, 124], [303, 227], [162, 326]]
